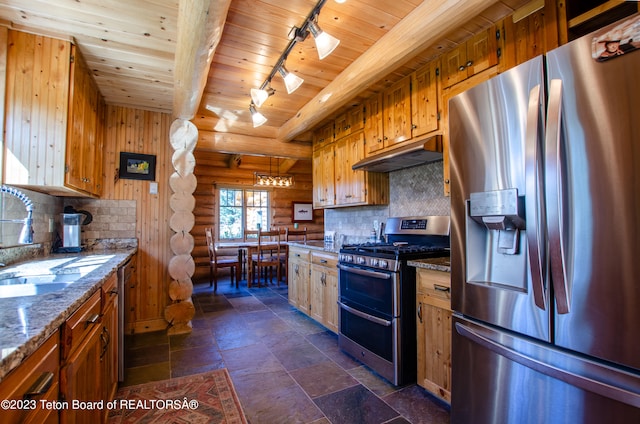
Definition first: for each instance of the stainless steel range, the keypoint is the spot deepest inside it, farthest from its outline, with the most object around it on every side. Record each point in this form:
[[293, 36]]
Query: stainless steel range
[[377, 294]]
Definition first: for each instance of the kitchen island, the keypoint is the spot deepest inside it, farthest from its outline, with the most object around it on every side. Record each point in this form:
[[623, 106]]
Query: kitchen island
[[28, 321]]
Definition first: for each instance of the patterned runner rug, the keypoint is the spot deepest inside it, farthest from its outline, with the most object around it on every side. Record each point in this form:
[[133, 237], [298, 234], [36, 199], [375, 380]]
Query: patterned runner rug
[[201, 398]]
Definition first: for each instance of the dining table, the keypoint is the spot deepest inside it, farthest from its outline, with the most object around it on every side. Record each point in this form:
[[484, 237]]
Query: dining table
[[246, 249]]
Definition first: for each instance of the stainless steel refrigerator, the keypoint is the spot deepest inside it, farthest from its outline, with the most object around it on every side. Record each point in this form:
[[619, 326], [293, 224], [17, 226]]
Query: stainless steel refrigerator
[[545, 239]]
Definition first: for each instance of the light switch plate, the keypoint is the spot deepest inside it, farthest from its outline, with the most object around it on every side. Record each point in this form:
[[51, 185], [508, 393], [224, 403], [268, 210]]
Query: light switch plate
[[153, 188]]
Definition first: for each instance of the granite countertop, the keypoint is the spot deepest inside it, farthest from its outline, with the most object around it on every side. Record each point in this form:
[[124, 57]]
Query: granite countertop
[[27, 321], [436, 264], [316, 245]]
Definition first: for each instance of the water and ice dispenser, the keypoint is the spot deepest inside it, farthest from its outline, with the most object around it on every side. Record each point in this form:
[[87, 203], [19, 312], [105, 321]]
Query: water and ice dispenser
[[495, 238]]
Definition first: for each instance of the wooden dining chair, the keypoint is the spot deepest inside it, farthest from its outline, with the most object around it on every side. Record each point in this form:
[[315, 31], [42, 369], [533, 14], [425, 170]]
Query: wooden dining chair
[[265, 257], [291, 235], [216, 261]]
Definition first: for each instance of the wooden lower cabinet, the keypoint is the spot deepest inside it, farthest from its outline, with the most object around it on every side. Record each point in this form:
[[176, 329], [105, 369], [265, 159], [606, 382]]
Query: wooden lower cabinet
[[34, 381], [313, 284], [323, 285], [434, 332], [298, 278]]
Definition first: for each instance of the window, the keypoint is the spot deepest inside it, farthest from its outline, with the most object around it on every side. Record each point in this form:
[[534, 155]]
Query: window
[[242, 210]]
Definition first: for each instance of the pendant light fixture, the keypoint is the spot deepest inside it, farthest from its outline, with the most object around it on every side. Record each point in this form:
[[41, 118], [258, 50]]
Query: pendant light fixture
[[271, 180], [325, 44]]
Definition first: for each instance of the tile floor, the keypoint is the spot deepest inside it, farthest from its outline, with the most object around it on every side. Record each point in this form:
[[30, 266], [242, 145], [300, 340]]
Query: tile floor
[[285, 367]]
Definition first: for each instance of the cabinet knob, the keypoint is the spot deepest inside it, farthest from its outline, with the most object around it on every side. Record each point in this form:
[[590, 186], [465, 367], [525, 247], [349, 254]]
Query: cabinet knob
[[40, 386], [461, 68], [469, 63], [414, 126]]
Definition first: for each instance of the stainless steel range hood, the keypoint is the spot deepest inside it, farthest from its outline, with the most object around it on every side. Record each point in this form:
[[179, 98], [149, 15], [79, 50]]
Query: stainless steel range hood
[[412, 154]]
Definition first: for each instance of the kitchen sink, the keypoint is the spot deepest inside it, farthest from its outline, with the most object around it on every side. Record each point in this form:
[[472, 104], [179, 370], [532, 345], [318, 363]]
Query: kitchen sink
[[33, 285]]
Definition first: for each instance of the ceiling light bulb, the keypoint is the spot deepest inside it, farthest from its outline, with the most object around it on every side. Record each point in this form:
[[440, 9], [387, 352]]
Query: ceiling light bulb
[[259, 96], [257, 118], [325, 43], [291, 81]]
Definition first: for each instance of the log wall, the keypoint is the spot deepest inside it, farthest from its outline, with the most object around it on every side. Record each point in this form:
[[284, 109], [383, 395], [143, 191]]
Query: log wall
[[221, 170]]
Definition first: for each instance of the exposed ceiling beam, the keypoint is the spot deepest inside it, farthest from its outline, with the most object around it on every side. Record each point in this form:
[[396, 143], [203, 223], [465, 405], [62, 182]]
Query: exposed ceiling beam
[[200, 25], [286, 165], [247, 145], [417, 31]]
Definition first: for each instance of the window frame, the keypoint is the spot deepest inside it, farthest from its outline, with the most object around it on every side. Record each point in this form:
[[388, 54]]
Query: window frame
[[244, 207]]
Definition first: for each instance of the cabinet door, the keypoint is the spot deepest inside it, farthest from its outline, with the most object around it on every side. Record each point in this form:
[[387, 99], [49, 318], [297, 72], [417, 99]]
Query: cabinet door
[[330, 300], [481, 51], [454, 66], [109, 338], [373, 128], [81, 379], [323, 136], [316, 292], [323, 177], [397, 112], [350, 184], [82, 149], [434, 348], [424, 99], [299, 282], [37, 96]]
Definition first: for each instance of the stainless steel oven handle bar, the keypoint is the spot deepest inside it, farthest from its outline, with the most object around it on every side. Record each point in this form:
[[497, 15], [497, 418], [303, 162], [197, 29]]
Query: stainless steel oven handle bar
[[365, 272], [363, 315]]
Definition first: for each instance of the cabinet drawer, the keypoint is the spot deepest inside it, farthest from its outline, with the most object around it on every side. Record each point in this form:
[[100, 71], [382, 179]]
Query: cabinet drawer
[[298, 253], [325, 259], [36, 379], [109, 291], [435, 285], [80, 323]]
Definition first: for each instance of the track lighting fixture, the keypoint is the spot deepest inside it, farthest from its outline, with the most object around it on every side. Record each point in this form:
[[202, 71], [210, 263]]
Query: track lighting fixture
[[325, 44], [291, 81], [260, 95], [257, 118]]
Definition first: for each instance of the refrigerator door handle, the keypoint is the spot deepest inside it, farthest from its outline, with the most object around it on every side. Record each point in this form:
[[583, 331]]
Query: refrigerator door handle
[[554, 197], [533, 183], [599, 381]]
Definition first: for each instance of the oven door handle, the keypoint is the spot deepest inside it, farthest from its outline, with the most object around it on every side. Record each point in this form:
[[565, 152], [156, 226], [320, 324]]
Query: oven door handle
[[365, 272], [363, 315]]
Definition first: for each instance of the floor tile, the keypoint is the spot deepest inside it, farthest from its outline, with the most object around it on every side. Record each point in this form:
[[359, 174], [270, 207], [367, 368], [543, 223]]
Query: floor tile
[[322, 379], [355, 405], [285, 367]]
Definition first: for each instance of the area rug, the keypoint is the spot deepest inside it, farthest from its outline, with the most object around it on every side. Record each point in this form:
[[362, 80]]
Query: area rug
[[201, 398]]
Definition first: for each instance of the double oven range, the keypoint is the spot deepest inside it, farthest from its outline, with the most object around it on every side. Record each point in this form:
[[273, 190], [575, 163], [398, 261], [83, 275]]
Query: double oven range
[[377, 294]]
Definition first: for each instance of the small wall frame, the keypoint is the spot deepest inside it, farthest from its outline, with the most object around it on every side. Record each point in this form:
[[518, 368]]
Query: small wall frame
[[136, 166]]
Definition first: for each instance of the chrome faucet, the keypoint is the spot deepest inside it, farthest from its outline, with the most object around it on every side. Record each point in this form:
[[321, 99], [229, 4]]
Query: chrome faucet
[[26, 235]]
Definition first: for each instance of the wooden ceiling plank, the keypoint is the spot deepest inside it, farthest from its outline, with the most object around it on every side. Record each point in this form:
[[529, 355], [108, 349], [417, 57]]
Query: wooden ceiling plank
[[420, 28]]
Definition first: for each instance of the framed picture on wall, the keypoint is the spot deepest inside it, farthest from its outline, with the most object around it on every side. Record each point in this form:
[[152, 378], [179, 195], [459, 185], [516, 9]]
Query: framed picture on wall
[[136, 166], [302, 212]]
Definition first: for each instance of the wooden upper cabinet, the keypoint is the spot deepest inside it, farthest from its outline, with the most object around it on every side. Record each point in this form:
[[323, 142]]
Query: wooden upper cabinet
[[323, 176], [323, 135], [397, 112], [425, 92], [84, 141], [53, 119], [373, 127], [471, 57], [349, 122]]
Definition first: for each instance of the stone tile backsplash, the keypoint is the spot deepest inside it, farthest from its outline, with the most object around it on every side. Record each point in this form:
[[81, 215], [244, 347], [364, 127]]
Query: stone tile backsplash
[[418, 190], [112, 219]]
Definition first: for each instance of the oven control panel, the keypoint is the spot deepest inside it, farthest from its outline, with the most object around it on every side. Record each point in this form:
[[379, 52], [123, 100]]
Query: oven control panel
[[368, 261]]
